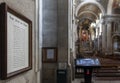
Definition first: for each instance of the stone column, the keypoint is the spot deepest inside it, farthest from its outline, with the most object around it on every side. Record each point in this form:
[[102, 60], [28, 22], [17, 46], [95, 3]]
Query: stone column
[[109, 38], [104, 37], [90, 42], [98, 38]]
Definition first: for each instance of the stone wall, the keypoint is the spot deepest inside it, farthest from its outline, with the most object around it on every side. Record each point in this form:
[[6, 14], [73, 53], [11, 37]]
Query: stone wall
[[62, 30], [55, 34], [49, 22], [49, 35], [26, 8]]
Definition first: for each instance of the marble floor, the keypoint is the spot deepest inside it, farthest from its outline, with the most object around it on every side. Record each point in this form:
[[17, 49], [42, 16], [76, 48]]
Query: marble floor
[[97, 81]]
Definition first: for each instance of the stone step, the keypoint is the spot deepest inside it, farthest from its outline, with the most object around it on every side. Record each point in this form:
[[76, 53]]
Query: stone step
[[107, 74]]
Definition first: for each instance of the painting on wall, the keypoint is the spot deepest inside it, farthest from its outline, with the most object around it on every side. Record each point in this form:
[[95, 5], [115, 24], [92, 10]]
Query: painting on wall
[[49, 54]]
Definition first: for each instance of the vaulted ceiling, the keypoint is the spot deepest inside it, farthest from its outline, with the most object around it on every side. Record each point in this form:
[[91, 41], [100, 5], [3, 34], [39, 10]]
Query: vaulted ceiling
[[88, 14]]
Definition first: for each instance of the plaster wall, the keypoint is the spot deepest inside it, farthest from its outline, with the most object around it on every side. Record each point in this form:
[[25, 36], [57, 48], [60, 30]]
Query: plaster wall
[[26, 8]]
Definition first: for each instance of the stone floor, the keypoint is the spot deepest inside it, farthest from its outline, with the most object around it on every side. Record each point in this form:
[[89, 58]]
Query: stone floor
[[97, 81]]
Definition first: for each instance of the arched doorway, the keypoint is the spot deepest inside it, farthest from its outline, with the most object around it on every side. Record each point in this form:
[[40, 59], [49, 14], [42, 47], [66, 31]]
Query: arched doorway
[[99, 32], [88, 15], [116, 44]]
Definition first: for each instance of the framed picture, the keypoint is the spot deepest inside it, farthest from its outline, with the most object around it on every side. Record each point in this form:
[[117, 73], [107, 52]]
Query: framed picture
[[49, 54], [15, 43]]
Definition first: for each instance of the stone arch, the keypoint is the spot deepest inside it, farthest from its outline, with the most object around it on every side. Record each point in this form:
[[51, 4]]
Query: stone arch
[[115, 35], [80, 20], [90, 2], [88, 12], [84, 16]]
